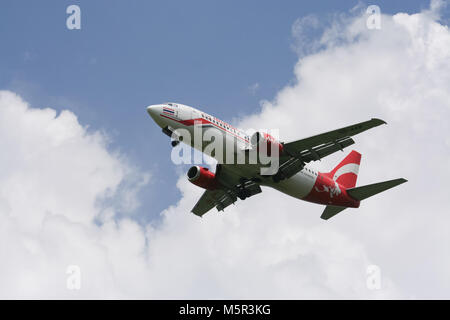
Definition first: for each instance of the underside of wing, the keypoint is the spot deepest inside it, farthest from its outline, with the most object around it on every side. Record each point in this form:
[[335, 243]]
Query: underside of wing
[[332, 137], [231, 187], [219, 198], [319, 146]]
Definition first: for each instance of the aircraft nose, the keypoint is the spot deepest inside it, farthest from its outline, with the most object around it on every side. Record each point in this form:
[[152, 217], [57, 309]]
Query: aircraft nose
[[154, 111]]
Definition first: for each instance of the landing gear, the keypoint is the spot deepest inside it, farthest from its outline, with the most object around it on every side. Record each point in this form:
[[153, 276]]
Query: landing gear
[[247, 188], [243, 193], [176, 141], [170, 132]]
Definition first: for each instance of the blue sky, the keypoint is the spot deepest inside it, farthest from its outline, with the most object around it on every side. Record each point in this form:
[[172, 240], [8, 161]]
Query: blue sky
[[130, 54]]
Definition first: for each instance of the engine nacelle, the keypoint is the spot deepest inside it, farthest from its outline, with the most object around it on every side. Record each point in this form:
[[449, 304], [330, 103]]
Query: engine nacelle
[[202, 177], [265, 142]]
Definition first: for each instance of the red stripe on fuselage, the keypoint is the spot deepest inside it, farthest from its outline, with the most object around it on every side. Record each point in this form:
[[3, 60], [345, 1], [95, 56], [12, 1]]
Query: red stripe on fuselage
[[191, 122]]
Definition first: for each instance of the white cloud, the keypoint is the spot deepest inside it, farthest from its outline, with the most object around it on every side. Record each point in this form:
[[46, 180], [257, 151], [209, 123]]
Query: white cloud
[[304, 35], [271, 245], [57, 178]]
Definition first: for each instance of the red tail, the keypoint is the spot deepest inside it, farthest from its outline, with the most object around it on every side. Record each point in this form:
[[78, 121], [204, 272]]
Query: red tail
[[346, 172]]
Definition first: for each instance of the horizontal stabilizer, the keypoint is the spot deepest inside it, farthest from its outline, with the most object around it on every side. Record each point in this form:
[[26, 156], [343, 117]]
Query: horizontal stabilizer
[[331, 211], [364, 192]]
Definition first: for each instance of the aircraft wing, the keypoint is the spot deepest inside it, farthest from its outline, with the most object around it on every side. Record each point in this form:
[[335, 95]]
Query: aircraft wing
[[213, 198], [332, 136], [233, 186], [316, 147]]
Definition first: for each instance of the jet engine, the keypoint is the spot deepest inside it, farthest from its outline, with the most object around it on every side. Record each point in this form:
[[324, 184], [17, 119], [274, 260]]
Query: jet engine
[[202, 177], [264, 142]]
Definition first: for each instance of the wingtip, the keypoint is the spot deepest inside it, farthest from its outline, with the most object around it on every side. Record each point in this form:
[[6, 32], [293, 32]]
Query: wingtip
[[195, 214], [400, 181], [379, 121]]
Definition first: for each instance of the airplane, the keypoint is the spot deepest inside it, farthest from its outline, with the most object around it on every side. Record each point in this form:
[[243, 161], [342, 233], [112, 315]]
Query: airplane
[[295, 176]]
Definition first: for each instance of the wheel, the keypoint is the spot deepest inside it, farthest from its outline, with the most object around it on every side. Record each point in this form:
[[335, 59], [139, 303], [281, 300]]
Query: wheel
[[242, 194]]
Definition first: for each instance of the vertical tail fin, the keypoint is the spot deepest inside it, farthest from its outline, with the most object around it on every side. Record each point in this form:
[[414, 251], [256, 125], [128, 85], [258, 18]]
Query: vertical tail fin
[[346, 172]]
